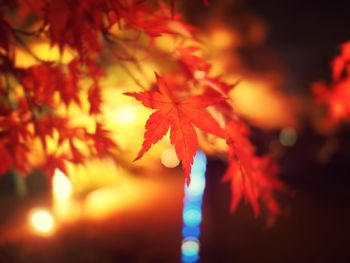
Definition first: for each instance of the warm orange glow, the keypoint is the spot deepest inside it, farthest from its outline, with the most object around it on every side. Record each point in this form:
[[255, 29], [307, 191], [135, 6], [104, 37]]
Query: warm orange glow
[[131, 194], [42, 222], [222, 38], [263, 105]]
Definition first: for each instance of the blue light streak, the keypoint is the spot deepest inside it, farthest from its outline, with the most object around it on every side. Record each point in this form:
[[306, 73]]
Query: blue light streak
[[192, 211]]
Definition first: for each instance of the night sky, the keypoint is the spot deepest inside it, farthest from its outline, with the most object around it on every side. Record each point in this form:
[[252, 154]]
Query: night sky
[[306, 34]]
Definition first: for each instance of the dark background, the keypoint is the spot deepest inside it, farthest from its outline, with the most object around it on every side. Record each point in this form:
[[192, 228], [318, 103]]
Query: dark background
[[305, 36]]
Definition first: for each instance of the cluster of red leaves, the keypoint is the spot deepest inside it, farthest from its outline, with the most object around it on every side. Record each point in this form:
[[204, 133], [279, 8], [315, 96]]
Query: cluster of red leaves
[[45, 87], [79, 26], [31, 95], [336, 96], [84, 27], [252, 177]]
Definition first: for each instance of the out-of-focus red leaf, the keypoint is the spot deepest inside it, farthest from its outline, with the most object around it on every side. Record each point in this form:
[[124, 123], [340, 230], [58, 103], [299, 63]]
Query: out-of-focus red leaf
[[14, 132], [336, 96], [95, 99], [195, 66], [153, 23], [103, 144], [252, 177], [41, 82], [54, 162], [76, 25], [340, 63]]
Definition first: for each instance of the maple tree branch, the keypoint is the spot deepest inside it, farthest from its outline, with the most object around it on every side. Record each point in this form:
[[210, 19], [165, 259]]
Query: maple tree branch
[[35, 33], [20, 41], [26, 48], [136, 80], [7, 91], [122, 61]]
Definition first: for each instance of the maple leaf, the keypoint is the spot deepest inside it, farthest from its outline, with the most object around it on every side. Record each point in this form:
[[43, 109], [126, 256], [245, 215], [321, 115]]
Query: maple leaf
[[94, 93], [251, 176], [341, 62], [95, 99], [181, 115], [75, 25], [45, 126], [195, 66], [41, 82], [103, 144], [336, 95], [140, 17], [54, 162]]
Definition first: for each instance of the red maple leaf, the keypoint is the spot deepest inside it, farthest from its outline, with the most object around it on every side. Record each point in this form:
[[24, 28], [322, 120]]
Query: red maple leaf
[[41, 81], [181, 115], [95, 99], [252, 177], [193, 65], [54, 162], [75, 25], [336, 95], [341, 63], [6, 159], [102, 142]]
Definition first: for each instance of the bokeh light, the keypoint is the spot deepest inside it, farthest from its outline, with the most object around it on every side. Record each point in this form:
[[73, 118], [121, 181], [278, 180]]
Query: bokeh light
[[169, 158], [192, 211], [62, 188], [42, 222], [288, 136], [192, 217], [191, 231], [190, 247]]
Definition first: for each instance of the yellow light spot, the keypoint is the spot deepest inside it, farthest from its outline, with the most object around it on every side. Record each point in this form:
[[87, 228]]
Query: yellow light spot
[[169, 158], [62, 188], [42, 222]]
